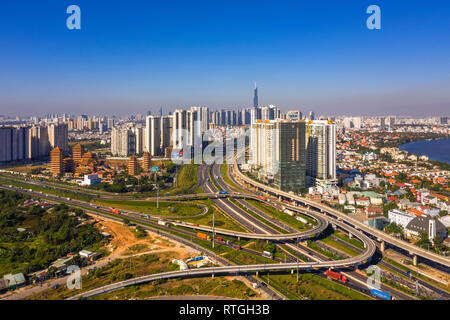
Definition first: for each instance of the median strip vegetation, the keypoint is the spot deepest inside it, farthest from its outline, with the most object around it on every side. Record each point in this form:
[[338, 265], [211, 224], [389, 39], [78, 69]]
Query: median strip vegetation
[[165, 210], [186, 180], [281, 216], [219, 286], [311, 287], [270, 224]]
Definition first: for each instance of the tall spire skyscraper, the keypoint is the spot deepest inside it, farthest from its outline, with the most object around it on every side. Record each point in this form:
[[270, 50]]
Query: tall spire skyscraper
[[255, 97]]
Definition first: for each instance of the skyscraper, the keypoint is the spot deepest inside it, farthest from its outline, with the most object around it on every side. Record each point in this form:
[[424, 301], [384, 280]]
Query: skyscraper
[[278, 152], [58, 135], [179, 124], [153, 135], [123, 142], [321, 151], [255, 97], [166, 131]]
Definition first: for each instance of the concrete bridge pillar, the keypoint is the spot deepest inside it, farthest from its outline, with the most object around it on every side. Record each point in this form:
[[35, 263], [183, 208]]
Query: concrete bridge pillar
[[257, 274], [292, 271], [279, 198], [333, 226], [383, 246], [415, 260], [350, 235], [239, 238], [212, 276]]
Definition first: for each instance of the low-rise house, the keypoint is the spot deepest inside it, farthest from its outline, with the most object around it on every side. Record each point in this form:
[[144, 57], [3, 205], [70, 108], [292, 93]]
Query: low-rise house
[[91, 256], [363, 202], [399, 217], [374, 211], [341, 198], [15, 280], [429, 199], [425, 224], [432, 212], [350, 208], [445, 220], [3, 285], [415, 212], [40, 276]]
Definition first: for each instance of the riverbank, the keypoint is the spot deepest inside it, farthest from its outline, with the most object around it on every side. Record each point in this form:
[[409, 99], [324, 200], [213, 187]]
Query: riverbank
[[435, 150]]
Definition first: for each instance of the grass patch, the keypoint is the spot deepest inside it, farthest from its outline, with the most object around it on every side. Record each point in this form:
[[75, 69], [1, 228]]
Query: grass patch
[[311, 287], [218, 286], [270, 224], [165, 210], [186, 180], [340, 246], [352, 241], [281, 216]]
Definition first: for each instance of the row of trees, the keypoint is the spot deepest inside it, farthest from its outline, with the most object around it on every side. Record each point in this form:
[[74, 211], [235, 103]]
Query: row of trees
[[47, 235]]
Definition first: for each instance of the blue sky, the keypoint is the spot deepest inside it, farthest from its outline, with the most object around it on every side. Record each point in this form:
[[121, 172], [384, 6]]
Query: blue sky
[[134, 56]]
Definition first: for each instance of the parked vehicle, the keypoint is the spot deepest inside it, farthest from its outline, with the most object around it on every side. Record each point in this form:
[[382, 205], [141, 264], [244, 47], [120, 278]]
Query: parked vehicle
[[262, 198]]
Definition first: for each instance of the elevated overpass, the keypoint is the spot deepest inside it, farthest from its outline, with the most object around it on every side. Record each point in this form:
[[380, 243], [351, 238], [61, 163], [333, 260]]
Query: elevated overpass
[[380, 235]]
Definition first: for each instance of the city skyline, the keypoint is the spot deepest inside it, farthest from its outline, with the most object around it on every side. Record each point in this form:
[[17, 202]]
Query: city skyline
[[151, 56]]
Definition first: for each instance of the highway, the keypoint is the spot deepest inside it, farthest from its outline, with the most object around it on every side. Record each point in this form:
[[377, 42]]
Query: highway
[[370, 250], [265, 233], [358, 281], [381, 236]]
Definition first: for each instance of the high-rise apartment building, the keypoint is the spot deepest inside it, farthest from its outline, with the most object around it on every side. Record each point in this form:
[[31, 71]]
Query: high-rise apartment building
[[153, 135], [278, 152], [166, 132], [321, 150], [179, 124], [123, 142], [58, 136], [140, 133]]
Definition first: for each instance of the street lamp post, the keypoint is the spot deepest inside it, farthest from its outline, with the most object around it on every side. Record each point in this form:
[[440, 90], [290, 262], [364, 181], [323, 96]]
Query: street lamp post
[[213, 230]]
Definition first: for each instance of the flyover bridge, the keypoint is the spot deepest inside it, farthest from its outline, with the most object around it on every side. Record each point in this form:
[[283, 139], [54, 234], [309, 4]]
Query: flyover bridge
[[381, 236]]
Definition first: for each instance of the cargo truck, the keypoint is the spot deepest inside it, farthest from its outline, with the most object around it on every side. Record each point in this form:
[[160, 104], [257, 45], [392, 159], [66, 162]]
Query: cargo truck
[[115, 211], [336, 276], [203, 236], [381, 294]]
